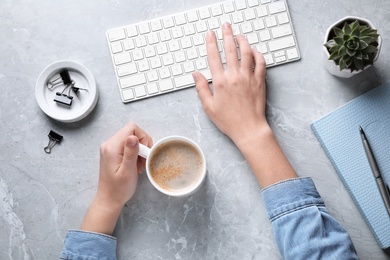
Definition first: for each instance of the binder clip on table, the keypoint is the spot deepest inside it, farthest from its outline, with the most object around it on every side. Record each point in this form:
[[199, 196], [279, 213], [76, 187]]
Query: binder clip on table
[[54, 138]]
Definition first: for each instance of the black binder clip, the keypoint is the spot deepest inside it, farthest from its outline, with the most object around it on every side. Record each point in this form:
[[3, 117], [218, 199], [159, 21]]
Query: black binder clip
[[62, 79], [53, 139]]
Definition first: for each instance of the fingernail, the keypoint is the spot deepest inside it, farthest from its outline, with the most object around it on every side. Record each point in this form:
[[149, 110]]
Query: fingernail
[[132, 141], [210, 34], [195, 75], [226, 25]]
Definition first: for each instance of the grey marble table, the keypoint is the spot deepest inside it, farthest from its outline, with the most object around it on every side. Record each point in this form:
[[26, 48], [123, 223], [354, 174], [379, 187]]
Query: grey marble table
[[42, 196]]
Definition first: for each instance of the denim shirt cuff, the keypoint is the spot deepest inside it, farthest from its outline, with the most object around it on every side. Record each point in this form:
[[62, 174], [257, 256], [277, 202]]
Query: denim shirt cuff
[[290, 195], [79, 244]]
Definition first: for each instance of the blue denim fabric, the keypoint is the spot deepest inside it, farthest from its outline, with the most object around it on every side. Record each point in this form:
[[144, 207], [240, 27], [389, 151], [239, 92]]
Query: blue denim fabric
[[83, 245], [302, 226]]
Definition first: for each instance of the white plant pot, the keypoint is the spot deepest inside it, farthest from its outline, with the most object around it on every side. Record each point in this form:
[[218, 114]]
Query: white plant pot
[[330, 64]]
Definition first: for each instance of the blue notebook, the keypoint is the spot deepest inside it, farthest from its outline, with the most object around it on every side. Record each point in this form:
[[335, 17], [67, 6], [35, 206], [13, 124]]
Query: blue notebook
[[338, 133]]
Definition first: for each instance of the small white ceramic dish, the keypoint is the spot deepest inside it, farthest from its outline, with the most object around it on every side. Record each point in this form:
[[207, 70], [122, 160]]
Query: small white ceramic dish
[[81, 105]]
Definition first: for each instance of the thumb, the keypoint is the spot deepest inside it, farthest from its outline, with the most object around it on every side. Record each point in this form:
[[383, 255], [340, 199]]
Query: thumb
[[130, 153], [203, 89]]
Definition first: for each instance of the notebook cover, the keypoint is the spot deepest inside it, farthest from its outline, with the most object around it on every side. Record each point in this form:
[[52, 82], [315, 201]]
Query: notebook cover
[[338, 133]]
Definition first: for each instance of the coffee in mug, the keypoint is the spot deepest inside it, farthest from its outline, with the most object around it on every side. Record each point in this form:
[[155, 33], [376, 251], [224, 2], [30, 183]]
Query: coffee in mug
[[175, 165]]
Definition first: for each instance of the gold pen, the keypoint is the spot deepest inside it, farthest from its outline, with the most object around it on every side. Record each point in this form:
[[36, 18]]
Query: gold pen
[[375, 169]]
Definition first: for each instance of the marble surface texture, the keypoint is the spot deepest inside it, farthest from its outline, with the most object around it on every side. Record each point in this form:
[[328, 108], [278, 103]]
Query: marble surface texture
[[42, 196]]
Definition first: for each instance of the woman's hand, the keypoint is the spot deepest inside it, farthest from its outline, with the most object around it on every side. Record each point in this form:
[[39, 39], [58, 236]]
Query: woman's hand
[[119, 169]]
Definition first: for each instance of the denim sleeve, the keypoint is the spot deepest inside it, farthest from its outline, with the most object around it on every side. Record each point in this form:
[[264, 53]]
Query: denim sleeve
[[302, 225], [82, 245]]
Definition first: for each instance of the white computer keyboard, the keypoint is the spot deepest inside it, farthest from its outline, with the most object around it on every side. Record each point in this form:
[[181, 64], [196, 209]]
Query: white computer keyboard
[[158, 56]]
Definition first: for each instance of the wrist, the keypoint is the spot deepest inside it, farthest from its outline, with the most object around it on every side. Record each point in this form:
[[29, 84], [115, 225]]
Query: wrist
[[101, 217], [254, 135]]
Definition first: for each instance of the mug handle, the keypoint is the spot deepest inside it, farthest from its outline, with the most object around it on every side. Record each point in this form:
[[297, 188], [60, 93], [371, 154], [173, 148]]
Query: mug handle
[[144, 151]]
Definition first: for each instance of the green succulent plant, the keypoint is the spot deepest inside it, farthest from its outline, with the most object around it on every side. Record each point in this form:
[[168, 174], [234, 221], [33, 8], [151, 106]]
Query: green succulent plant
[[354, 46]]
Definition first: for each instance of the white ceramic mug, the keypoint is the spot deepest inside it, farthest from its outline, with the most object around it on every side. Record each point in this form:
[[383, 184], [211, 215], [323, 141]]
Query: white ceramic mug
[[150, 154]]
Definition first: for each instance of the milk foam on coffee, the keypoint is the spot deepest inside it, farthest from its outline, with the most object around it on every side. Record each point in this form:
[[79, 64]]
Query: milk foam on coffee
[[175, 165]]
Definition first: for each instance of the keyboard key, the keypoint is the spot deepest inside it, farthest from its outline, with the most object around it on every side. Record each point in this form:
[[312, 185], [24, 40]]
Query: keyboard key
[[156, 25], [268, 59], [184, 81], [168, 22], [237, 17], [261, 47], [127, 69], [116, 47], [292, 53], [206, 74], [280, 59], [189, 67], [252, 3], [189, 29], [258, 24], [276, 7], [246, 28], [153, 38], [180, 19], [192, 16], [228, 7], [143, 65], [281, 31], [155, 63], [128, 44], [216, 10], [270, 21], [164, 36], [201, 26], [261, 11], [192, 54], [137, 54], [152, 88], [201, 63], [283, 18], [264, 35], [180, 56], [225, 19], [213, 23], [166, 85], [167, 59], [249, 14], [176, 70], [174, 45], [164, 73], [161, 48], [149, 51], [131, 31], [198, 39], [122, 58], [152, 75], [204, 13], [143, 28], [140, 91], [128, 94], [240, 4], [116, 35], [177, 32], [140, 41], [281, 43], [132, 81], [186, 43], [252, 38]]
